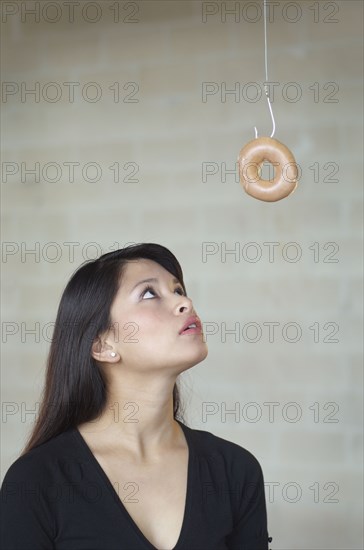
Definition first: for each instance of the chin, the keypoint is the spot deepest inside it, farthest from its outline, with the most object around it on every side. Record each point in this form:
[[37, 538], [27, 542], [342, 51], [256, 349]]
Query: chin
[[206, 352], [199, 357]]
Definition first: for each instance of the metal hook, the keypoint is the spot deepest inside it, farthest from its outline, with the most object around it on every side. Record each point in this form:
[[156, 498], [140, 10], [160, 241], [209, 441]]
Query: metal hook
[[266, 71], [271, 114]]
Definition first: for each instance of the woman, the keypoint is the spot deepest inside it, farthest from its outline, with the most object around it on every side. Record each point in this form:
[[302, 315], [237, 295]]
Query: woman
[[109, 464]]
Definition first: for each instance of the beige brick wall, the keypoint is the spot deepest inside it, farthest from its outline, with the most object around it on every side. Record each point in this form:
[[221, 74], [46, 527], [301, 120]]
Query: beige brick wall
[[170, 136]]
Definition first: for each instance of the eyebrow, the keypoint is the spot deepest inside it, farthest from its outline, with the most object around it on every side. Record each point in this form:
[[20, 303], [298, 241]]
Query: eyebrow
[[152, 280]]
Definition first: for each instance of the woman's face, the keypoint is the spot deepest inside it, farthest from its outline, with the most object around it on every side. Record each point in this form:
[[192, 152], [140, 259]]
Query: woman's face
[[147, 323]]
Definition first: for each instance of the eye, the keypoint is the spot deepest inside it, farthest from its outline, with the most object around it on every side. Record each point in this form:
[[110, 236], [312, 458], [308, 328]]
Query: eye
[[181, 291], [150, 289], [147, 289]]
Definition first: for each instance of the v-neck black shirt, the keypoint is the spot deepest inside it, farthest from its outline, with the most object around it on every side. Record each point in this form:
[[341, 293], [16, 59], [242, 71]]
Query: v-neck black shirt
[[57, 497]]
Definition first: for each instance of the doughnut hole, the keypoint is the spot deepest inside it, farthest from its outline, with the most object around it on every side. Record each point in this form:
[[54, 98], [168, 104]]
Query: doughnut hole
[[266, 171]]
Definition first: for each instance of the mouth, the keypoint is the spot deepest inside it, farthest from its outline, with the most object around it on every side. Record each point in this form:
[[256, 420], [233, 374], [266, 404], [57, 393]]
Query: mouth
[[192, 326]]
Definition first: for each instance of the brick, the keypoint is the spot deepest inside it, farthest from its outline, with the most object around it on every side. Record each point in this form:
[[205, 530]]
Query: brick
[[306, 447]]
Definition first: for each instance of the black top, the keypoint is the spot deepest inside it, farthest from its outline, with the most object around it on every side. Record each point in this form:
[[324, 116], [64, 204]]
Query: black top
[[58, 497]]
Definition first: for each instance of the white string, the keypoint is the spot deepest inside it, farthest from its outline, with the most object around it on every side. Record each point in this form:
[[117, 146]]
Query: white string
[[265, 40], [266, 71]]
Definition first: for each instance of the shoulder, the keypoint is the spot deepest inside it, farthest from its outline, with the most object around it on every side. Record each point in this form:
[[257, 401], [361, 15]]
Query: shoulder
[[234, 456], [41, 462], [29, 495]]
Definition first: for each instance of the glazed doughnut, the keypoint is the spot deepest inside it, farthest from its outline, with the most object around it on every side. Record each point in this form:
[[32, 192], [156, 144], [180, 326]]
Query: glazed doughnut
[[251, 158]]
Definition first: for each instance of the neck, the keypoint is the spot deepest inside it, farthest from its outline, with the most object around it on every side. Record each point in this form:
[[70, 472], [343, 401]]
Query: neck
[[138, 413]]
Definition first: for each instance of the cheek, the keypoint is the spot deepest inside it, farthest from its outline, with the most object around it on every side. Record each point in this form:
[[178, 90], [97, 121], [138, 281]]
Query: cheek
[[153, 329], [146, 343], [146, 327]]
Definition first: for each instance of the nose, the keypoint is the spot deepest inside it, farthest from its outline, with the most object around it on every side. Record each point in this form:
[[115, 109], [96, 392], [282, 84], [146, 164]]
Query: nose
[[184, 303]]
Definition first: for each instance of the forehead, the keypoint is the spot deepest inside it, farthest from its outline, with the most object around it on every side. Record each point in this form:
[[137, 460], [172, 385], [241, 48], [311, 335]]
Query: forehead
[[135, 270]]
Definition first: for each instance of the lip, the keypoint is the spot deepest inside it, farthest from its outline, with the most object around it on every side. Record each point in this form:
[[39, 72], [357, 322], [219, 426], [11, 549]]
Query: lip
[[189, 321]]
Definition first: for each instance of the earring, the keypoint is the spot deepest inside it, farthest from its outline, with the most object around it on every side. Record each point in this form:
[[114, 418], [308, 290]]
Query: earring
[[113, 354]]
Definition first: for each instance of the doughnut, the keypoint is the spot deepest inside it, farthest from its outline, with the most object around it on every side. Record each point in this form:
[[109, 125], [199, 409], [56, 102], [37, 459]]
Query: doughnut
[[251, 158]]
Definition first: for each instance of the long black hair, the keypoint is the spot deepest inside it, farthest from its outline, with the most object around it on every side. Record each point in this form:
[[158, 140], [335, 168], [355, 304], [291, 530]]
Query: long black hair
[[74, 391]]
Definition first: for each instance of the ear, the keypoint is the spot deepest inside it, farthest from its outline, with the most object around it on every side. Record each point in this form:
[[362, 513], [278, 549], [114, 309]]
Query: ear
[[104, 352]]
